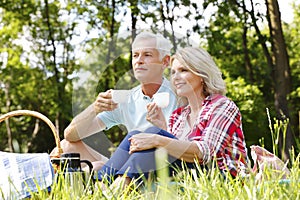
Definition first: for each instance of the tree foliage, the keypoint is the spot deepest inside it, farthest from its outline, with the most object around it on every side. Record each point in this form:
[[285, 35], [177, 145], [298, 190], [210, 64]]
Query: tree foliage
[[57, 55]]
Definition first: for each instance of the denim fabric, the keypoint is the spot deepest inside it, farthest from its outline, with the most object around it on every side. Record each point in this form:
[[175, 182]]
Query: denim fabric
[[138, 163]]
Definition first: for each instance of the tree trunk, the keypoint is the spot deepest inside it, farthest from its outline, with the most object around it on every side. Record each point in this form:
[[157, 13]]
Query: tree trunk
[[169, 17], [282, 76], [262, 42], [134, 13], [7, 124], [111, 30], [248, 65], [58, 84]]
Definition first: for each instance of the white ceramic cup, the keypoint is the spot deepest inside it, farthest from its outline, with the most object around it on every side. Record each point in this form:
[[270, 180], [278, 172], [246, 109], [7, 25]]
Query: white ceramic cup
[[120, 96], [161, 99]]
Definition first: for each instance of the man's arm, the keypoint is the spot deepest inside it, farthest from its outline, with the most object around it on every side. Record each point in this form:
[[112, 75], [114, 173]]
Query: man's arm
[[83, 125], [87, 123]]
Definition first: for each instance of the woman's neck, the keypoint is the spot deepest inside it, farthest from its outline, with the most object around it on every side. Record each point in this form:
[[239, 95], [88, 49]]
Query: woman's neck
[[195, 103], [195, 106]]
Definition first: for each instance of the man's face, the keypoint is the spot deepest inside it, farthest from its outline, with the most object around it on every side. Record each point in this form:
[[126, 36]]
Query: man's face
[[146, 63]]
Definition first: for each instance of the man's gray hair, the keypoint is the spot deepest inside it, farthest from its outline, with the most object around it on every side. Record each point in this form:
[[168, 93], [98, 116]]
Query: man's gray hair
[[163, 45]]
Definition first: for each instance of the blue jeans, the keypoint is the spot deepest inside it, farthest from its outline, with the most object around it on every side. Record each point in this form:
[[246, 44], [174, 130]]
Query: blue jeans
[[137, 163]]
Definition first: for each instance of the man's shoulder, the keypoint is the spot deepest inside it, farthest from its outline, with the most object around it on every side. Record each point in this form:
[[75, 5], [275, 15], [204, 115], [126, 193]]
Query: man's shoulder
[[166, 81], [136, 91], [166, 86]]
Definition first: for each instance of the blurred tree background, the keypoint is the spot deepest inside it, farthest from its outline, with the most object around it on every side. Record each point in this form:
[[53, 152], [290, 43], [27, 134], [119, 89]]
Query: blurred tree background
[[56, 55]]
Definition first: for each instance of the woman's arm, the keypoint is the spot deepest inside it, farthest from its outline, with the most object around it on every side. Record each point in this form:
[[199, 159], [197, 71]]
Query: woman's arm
[[156, 116], [185, 150]]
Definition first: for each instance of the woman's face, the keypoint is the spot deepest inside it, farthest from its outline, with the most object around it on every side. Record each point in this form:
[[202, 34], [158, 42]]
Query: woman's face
[[184, 81]]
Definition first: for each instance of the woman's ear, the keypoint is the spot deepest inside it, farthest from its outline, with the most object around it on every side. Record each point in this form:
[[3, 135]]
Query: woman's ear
[[166, 61]]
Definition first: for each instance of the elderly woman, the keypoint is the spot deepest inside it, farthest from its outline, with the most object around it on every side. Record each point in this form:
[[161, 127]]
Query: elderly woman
[[207, 128]]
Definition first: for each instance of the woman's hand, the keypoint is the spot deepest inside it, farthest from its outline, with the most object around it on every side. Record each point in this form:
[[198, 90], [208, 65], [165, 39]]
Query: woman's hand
[[104, 102], [142, 141], [156, 116]]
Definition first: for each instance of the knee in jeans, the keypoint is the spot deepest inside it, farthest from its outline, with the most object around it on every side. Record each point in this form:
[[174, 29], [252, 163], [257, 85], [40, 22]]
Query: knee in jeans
[[153, 129], [131, 133]]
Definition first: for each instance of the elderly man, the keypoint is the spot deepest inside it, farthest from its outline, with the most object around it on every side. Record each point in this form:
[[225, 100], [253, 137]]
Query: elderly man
[[150, 57]]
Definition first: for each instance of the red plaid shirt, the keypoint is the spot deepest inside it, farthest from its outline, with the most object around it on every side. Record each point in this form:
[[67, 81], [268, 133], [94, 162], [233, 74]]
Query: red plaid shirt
[[217, 132]]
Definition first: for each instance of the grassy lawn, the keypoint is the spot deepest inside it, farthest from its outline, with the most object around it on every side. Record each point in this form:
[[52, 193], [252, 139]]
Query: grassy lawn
[[194, 184], [188, 184]]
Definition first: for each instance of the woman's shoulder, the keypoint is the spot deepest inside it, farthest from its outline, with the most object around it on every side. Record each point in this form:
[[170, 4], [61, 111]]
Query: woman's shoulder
[[219, 98], [224, 102], [181, 109]]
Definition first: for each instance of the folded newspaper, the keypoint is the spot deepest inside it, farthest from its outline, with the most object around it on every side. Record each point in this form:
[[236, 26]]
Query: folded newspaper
[[24, 173]]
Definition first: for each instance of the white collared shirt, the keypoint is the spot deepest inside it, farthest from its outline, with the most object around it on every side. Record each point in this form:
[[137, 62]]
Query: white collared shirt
[[132, 113]]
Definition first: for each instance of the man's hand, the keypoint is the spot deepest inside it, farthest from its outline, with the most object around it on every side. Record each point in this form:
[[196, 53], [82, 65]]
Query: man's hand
[[104, 102]]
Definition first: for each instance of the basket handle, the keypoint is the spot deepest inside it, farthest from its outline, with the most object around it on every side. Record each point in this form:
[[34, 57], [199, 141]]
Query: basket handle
[[37, 115]]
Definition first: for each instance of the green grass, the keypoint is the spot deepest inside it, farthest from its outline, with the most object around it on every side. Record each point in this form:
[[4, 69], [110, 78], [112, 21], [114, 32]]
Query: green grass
[[193, 184]]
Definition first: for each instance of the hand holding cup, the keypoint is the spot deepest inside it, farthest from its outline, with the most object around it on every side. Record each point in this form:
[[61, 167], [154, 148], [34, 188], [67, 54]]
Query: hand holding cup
[[120, 96], [161, 99]]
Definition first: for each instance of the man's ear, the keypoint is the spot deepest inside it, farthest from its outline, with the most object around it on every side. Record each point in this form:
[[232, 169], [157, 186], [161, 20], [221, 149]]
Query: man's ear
[[166, 61]]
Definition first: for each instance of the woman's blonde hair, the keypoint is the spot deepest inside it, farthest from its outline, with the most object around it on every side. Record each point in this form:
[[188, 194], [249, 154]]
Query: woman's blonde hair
[[199, 62]]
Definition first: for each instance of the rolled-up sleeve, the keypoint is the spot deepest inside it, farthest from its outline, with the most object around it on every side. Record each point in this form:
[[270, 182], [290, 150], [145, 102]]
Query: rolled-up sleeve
[[204, 152], [220, 124]]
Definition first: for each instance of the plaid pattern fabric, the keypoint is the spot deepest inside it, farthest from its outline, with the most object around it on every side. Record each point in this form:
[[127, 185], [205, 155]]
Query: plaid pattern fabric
[[217, 132]]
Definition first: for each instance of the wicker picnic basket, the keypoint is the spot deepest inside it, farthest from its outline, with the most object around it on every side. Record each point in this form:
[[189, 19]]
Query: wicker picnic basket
[[39, 116]]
